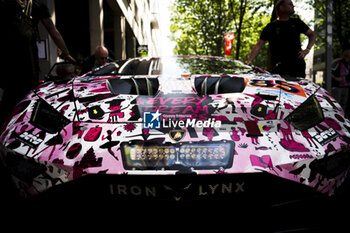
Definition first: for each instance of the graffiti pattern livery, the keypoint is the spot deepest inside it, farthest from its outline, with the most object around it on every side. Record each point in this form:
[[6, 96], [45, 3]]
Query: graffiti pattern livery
[[81, 127]]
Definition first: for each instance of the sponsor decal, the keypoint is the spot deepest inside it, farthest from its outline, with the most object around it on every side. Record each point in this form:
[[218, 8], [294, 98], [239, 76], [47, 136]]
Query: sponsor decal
[[326, 136], [29, 139], [294, 89], [176, 192], [177, 107]]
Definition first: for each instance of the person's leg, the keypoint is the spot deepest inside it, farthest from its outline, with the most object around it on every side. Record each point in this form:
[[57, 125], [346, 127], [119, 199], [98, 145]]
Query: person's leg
[[298, 70], [336, 93], [344, 98]]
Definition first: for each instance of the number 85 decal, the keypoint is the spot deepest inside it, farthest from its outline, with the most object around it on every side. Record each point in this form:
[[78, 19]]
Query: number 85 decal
[[279, 85]]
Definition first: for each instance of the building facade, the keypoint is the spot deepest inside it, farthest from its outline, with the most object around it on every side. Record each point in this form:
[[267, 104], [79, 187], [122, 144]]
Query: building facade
[[120, 25]]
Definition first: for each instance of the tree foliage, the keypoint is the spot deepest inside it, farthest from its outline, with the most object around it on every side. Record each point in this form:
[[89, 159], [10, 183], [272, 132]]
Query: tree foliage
[[341, 24], [199, 26]]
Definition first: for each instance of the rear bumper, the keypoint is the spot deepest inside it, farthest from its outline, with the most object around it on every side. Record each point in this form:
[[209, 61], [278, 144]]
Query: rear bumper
[[253, 189], [262, 201]]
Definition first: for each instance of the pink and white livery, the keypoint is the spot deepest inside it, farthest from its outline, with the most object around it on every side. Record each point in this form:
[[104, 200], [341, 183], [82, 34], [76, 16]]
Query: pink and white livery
[[160, 117]]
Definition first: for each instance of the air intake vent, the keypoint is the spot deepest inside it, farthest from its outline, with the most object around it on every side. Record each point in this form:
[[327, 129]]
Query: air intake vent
[[133, 86], [219, 85]]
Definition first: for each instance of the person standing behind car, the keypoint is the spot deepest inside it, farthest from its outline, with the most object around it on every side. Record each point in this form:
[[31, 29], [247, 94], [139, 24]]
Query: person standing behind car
[[99, 58], [19, 63], [283, 35], [341, 80]]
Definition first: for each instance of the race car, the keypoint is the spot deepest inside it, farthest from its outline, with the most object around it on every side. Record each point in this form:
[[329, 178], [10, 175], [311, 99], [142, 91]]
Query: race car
[[177, 128]]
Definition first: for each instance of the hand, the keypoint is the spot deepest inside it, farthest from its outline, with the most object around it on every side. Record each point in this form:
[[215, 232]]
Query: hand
[[303, 53], [69, 58], [338, 79]]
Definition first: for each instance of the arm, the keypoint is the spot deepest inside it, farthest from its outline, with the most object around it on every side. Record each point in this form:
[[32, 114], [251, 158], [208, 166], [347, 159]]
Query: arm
[[312, 39], [336, 72], [57, 38], [255, 50], [338, 79]]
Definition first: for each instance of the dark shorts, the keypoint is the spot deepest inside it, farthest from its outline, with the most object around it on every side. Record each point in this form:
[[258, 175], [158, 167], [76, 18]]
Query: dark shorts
[[290, 68]]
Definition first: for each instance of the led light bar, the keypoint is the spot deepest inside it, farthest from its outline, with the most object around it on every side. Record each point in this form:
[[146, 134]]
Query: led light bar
[[197, 155]]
